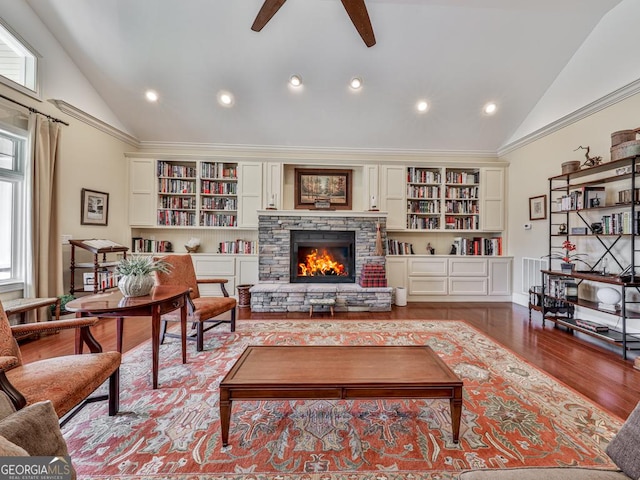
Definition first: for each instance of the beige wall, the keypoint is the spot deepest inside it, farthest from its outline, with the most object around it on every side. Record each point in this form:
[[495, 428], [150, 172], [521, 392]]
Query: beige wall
[[89, 158], [532, 165]]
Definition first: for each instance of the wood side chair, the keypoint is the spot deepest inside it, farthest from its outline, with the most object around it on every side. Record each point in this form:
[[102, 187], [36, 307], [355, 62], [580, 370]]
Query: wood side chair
[[68, 380], [201, 309]]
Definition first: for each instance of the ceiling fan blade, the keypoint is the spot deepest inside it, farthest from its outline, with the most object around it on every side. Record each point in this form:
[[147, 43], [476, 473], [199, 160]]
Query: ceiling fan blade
[[268, 10], [357, 11]]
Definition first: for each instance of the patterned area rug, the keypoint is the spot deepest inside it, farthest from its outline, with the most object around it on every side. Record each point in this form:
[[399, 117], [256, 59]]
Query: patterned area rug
[[513, 415]]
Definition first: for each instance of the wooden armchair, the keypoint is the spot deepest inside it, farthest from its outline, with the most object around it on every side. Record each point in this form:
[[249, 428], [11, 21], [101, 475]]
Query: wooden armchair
[[67, 380], [201, 309]]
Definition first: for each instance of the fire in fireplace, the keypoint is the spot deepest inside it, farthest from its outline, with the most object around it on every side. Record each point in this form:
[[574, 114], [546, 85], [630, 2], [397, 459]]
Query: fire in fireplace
[[322, 257]]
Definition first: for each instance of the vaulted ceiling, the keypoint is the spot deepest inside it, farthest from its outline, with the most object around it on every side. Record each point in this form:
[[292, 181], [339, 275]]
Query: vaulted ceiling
[[455, 54]]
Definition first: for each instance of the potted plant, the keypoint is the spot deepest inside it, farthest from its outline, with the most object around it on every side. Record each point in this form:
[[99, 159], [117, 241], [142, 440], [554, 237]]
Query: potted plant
[[569, 257], [135, 274]]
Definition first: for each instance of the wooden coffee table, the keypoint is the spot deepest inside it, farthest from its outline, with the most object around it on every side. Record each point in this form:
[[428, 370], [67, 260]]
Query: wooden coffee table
[[339, 372]]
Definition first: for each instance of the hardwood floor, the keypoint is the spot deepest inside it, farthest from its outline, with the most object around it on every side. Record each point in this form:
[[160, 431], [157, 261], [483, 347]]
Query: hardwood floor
[[596, 370]]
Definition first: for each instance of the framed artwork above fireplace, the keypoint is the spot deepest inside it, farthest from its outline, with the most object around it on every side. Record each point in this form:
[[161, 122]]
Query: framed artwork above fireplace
[[322, 189]]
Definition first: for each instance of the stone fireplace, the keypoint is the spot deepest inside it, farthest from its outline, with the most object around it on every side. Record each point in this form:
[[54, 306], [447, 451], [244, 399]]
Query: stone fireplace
[[286, 238]]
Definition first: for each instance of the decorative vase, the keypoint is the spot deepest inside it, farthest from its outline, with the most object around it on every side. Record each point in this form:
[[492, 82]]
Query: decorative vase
[[567, 267], [136, 285]]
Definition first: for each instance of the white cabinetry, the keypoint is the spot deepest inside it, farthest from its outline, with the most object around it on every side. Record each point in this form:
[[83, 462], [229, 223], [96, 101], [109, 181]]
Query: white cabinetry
[[492, 199], [393, 201], [250, 194], [142, 192], [237, 269], [451, 278]]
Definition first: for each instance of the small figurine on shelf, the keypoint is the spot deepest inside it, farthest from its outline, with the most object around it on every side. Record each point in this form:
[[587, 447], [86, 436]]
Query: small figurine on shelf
[[430, 249], [192, 245], [272, 202], [454, 250], [373, 206]]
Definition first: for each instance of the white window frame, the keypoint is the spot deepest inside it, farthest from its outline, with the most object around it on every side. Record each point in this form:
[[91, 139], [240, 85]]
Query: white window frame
[[19, 177], [31, 69]]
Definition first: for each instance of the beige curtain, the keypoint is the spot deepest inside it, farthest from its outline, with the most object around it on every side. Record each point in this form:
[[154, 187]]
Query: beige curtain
[[47, 252]]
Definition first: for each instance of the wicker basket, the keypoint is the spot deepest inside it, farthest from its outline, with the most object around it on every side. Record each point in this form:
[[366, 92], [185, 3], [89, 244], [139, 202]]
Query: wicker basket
[[244, 295], [570, 167]]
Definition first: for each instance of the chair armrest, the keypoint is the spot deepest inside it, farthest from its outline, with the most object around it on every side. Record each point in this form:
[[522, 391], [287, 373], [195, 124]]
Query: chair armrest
[[52, 326], [6, 363], [219, 281]]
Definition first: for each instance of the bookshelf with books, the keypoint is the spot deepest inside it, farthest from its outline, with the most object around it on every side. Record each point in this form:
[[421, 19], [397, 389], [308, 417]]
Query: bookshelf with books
[[176, 193], [592, 213], [105, 255]]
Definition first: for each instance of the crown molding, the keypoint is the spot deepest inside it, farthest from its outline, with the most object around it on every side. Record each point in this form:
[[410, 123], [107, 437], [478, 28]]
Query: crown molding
[[95, 122], [302, 154], [603, 102]]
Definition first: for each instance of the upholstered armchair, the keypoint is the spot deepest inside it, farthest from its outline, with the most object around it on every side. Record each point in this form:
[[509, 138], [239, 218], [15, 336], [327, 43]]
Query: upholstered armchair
[[66, 380], [201, 309]]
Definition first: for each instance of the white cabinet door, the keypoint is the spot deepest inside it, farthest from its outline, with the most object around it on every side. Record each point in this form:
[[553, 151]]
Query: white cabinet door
[[142, 192], [428, 286], [467, 286], [247, 270], [249, 194], [397, 272], [273, 184], [499, 276], [492, 194], [370, 190], [393, 196], [215, 266], [428, 267], [468, 267]]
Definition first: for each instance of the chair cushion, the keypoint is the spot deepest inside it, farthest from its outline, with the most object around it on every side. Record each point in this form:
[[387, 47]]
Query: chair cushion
[[624, 448], [209, 307], [66, 381], [35, 429]]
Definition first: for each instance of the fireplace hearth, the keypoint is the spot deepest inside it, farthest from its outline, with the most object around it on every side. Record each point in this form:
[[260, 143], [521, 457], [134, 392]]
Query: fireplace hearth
[[322, 256]]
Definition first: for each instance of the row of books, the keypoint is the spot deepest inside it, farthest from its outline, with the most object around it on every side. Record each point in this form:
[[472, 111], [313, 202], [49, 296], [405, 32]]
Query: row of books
[[461, 206], [624, 196], [218, 188], [219, 170], [172, 185], [585, 197], [415, 222], [218, 220], [478, 246], [461, 192], [166, 169], [106, 279], [424, 206], [462, 223], [238, 246], [178, 203], [414, 191], [220, 203], [422, 175], [462, 177], [620, 223], [176, 218], [394, 247], [144, 245]]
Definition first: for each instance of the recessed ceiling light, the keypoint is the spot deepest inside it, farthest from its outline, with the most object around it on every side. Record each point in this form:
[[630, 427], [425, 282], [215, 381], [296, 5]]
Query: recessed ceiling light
[[422, 106], [355, 83], [225, 98], [490, 108], [151, 95], [295, 80]]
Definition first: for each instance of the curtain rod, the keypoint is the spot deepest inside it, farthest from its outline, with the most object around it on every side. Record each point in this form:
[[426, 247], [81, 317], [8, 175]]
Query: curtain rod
[[33, 110]]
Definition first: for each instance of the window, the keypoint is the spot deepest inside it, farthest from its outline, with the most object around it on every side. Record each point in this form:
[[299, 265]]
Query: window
[[18, 63], [12, 208]]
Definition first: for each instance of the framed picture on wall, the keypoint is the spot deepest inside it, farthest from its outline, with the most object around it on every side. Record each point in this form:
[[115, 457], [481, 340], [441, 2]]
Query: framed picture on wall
[[538, 207], [94, 207], [322, 189]]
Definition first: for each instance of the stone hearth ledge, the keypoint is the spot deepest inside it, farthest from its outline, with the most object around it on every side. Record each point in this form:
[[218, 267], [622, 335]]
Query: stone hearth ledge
[[294, 297]]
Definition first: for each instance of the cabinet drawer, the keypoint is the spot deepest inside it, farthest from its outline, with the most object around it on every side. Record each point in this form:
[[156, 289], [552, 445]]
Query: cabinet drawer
[[468, 267], [427, 286], [467, 286], [428, 267], [214, 267]]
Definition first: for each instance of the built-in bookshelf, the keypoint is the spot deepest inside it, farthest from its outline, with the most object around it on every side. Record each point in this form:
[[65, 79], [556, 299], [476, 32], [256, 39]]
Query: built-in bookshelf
[[176, 193], [218, 194]]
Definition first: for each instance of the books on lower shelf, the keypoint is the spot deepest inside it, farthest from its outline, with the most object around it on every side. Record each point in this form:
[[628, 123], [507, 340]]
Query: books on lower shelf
[[144, 245], [106, 279], [592, 326], [394, 247], [478, 246], [247, 247]]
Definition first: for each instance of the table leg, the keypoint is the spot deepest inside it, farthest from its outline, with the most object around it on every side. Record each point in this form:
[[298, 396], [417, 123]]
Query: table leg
[[183, 327], [119, 333], [78, 340], [456, 413], [155, 344], [225, 415]]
